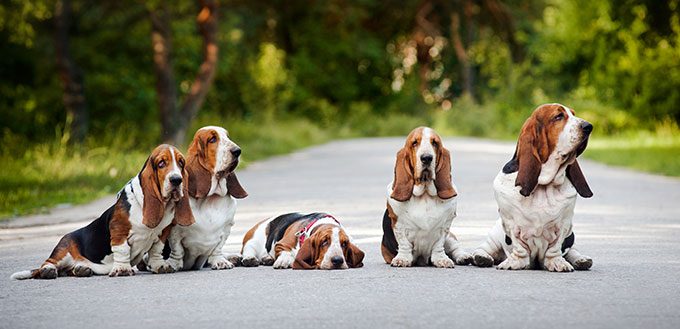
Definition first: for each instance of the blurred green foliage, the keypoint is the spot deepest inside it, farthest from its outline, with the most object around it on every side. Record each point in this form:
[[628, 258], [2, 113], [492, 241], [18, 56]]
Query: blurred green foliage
[[292, 71]]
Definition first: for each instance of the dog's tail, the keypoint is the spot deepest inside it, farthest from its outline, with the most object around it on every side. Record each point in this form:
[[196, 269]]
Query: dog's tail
[[27, 274]]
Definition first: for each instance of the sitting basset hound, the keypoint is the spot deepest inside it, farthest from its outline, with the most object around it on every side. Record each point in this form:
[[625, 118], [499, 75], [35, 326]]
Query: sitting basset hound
[[536, 193], [134, 225], [301, 241], [213, 189], [421, 205]]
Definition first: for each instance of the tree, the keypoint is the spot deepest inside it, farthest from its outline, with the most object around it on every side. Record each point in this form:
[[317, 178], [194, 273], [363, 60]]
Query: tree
[[175, 121], [69, 73]]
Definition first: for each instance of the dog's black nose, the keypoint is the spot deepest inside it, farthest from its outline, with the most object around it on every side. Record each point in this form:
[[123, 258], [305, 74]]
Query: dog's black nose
[[236, 151], [587, 127], [426, 158], [176, 180], [337, 261]]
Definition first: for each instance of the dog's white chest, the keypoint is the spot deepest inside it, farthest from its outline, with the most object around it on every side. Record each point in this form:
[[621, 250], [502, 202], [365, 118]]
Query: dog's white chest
[[141, 237]]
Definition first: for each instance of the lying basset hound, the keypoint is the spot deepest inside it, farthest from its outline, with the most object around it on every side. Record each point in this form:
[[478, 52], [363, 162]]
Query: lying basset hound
[[311, 241], [421, 205], [134, 225], [213, 189], [536, 193]]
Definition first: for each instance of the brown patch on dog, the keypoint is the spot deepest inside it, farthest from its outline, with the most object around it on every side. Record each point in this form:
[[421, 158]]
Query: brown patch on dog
[[151, 179], [119, 225], [201, 159], [251, 232]]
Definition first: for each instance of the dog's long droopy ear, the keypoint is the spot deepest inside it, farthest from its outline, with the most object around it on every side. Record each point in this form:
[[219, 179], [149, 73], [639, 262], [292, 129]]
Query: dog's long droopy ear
[[402, 187], [153, 208], [183, 214], [528, 158], [443, 175], [577, 179], [306, 256], [234, 188], [200, 178], [354, 256]]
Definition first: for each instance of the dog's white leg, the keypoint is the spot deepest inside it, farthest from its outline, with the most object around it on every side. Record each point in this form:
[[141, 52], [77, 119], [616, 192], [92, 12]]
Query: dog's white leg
[[437, 255], [217, 260], [156, 263], [121, 260], [578, 261], [254, 250], [491, 251], [176, 259], [454, 250], [553, 260], [285, 259], [404, 257]]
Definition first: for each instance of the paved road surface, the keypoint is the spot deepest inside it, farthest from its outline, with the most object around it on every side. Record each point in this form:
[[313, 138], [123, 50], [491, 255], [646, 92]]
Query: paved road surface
[[631, 228]]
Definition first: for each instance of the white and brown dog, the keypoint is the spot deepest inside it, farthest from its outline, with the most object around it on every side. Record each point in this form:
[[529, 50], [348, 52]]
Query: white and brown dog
[[213, 189], [421, 206], [134, 225], [301, 241], [536, 193]]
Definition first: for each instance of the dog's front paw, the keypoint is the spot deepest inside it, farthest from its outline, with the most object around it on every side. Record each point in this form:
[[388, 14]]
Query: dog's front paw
[[583, 264], [220, 263], [514, 263], [464, 259], [250, 262], [285, 260], [48, 271], [234, 259], [161, 267], [267, 260], [482, 259], [442, 262], [121, 270], [558, 264], [401, 261]]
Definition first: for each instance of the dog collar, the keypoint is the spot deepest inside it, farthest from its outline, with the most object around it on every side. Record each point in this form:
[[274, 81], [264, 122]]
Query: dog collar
[[304, 233]]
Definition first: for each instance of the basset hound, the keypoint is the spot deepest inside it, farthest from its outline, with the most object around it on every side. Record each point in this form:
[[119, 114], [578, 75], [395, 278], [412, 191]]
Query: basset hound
[[536, 194], [301, 241], [213, 189], [421, 205], [133, 226]]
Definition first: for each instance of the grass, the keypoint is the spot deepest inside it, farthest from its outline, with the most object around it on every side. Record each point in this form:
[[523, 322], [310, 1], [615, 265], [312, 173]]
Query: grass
[[39, 176]]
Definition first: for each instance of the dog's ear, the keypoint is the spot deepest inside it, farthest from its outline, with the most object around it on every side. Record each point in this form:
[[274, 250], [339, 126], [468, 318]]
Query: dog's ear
[[183, 214], [443, 175], [234, 188], [577, 179], [354, 256], [306, 256], [527, 155], [154, 207], [200, 178], [402, 187]]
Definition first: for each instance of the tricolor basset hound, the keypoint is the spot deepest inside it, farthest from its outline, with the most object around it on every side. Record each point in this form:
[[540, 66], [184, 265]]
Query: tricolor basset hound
[[301, 241], [134, 225], [213, 189], [421, 205], [536, 193]]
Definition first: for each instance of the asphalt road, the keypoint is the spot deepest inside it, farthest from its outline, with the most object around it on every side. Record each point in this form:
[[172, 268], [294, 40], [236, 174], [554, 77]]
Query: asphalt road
[[631, 228]]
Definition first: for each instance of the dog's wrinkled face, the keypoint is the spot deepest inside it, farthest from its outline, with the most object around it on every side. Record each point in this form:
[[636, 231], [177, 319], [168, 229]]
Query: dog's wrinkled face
[[328, 248], [423, 146], [212, 158], [168, 167], [565, 136]]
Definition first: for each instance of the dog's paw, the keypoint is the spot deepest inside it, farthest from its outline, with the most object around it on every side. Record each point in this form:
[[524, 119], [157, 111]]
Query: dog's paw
[[267, 260], [464, 259], [583, 264], [442, 262], [221, 263], [234, 259], [82, 270], [121, 270], [401, 261], [250, 262], [513, 263], [482, 259], [161, 267], [48, 271], [285, 260], [558, 264]]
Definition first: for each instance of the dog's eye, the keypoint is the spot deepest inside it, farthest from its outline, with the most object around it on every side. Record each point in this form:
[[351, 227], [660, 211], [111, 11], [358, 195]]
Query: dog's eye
[[558, 117], [181, 163], [344, 245], [324, 243], [435, 144], [212, 139], [414, 144], [161, 164]]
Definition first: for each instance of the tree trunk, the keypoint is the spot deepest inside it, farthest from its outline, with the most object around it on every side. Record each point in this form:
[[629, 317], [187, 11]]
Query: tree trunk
[[166, 90], [70, 75], [461, 54]]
